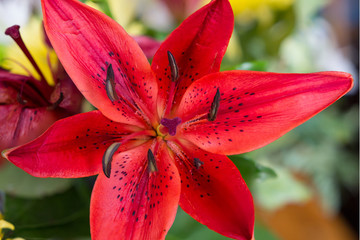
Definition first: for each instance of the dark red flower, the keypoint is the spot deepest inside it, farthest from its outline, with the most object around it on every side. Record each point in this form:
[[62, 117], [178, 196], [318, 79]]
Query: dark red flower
[[28, 106], [180, 9], [161, 133]]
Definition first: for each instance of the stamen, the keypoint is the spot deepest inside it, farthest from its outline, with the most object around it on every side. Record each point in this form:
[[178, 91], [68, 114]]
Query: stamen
[[214, 106], [19, 95], [173, 66], [198, 163], [108, 157], [57, 103], [110, 84], [188, 163], [174, 77], [151, 162], [14, 33], [20, 99], [110, 151]]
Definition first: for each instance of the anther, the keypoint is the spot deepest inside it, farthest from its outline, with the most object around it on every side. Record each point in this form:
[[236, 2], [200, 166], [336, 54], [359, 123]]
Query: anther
[[14, 33], [20, 99], [151, 162], [110, 84], [108, 157], [214, 106], [198, 163], [173, 66], [57, 103]]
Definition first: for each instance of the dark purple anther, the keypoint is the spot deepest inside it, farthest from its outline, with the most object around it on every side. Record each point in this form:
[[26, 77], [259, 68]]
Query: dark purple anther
[[171, 124]]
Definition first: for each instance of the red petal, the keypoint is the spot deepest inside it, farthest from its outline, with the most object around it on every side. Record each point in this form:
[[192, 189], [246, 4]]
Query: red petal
[[255, 107], [87, 41], [213, 192], [133, 204], [198, 46], [8, 92], [19, 125], [72, 147], [13, 84], [42, 88]]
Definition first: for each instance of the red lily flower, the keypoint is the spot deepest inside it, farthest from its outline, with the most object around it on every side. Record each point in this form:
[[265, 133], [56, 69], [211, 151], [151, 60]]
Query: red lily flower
[[161, 133], [28, 106]]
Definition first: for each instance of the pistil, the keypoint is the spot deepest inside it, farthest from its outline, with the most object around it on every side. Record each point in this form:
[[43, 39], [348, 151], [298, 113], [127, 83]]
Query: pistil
[[14, 33], [171, 124]]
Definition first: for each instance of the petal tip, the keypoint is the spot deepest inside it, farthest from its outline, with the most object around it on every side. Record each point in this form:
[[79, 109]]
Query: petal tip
[[5, 153]]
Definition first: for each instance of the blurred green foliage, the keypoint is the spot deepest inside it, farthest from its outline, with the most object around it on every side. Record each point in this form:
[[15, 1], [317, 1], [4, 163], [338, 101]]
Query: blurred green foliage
[[15, 181], [324, 149], [186, 228], [62, 216], [262, 41]]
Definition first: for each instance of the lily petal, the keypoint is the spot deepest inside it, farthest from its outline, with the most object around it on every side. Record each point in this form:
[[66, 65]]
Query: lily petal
[[8, 94], [198, 46], [213, 191], [87, 42], [255, 107], [13, 84], [20, 125], [135, 203], [71, 147]]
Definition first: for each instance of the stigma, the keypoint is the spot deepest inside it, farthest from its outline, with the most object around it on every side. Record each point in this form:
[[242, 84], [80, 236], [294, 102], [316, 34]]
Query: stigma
[[171, 124]]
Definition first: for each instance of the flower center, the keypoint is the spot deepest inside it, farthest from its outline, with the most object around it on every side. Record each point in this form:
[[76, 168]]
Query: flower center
[[170, 126], [33, 92]]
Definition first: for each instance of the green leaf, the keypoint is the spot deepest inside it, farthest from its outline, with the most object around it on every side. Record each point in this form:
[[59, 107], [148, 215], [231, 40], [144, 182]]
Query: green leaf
[[251, 170], [61, 216], [277, 192], [261, 232], [15, 181]]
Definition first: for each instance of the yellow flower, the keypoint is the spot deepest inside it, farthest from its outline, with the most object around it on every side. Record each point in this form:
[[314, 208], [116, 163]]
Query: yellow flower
[[17, 62], [6, 225], [261, 10], [123, 12]]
